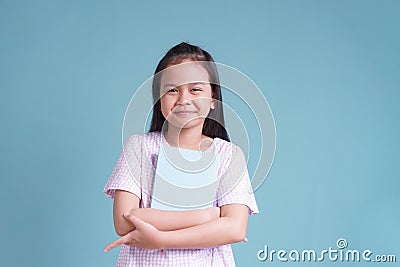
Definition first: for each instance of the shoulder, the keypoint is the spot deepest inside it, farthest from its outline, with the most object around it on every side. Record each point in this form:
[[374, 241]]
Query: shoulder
[[231, 156], [144, 141], [143, 137], [226, 147]]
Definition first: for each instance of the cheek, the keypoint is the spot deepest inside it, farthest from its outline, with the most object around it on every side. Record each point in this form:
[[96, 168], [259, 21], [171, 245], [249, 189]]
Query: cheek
[[203, 102], [165, 107]]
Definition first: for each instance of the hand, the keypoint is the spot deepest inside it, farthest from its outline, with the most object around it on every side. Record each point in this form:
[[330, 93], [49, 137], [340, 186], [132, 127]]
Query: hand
[[145, 235]]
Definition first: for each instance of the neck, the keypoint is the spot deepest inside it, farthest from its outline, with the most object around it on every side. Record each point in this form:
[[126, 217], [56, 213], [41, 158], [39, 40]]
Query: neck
[[191, 138]]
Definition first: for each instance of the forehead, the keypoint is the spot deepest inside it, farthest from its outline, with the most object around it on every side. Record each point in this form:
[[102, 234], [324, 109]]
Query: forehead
[[184, 73]]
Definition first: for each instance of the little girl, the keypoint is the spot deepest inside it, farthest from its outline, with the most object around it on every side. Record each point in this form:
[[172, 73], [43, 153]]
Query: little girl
[[187, 113]]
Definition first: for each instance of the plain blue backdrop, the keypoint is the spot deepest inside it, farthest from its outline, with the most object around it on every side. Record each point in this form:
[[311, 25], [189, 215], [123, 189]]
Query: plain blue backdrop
[[329, 70]]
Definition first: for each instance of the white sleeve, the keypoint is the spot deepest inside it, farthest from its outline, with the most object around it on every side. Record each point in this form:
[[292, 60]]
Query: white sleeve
[[235, 186], [126, 173]]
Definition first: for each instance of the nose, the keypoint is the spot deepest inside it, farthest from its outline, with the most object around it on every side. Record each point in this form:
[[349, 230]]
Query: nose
[[184, 98]]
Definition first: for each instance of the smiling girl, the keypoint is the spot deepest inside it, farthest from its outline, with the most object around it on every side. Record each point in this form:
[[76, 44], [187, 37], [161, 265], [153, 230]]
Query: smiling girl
[[188, 114]]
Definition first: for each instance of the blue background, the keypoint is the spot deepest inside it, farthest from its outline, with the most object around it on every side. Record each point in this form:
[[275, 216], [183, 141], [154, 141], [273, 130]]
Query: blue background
[[329, 70]]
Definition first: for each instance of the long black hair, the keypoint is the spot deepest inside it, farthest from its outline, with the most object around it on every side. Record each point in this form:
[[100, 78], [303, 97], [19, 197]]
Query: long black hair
[[214, 124]]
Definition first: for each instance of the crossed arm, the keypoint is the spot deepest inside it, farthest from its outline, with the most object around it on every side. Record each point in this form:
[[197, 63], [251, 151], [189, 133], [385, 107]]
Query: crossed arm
[[158, 229]]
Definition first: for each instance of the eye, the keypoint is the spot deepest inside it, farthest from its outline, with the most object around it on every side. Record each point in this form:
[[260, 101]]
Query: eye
[[172, 90], [197, 89]]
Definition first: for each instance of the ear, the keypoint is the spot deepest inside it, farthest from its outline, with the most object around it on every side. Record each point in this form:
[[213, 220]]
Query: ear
[[212, 104]]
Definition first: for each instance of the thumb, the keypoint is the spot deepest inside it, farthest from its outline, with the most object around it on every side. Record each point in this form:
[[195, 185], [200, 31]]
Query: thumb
[[134, 220]]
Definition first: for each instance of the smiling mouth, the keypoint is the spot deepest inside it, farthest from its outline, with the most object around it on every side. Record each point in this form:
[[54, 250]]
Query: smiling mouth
[[184, 112]]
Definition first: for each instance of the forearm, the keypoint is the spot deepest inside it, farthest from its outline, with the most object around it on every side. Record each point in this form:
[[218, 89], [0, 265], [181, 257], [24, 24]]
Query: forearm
[[221, 231], [165, 220], [126, 202], [229, 228]]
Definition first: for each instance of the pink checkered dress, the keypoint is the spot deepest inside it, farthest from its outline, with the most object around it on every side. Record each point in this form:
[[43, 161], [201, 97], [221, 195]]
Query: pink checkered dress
[[135, 172]]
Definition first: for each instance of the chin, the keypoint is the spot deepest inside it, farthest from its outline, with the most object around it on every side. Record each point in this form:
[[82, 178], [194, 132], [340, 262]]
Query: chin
[[184, 125]]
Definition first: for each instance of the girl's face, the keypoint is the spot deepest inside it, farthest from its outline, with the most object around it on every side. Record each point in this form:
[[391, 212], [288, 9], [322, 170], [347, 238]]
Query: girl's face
[[186, 95]]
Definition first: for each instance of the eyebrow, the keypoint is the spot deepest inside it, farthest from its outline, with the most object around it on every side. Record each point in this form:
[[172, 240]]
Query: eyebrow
[[175, 85]]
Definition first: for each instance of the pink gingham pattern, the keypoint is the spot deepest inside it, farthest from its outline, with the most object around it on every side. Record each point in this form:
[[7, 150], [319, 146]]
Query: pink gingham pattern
[[134, 172]]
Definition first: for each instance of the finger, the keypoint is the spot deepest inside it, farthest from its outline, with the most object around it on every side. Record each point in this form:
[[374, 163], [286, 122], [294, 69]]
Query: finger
[[117, 242], [131, 243]]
